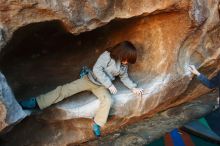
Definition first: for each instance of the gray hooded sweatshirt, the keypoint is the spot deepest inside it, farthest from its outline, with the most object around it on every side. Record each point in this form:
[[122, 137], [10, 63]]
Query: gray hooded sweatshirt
[[105, 70]]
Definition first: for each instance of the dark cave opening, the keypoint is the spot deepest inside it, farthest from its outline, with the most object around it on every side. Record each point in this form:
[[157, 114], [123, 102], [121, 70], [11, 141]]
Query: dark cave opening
[[41, 56]]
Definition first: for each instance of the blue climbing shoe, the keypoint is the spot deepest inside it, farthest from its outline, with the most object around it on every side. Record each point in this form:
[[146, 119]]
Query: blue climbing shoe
[[96, 129], [30, 103]]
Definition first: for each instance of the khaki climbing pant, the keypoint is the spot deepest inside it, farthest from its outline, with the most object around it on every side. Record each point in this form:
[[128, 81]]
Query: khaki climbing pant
[[64, 91]]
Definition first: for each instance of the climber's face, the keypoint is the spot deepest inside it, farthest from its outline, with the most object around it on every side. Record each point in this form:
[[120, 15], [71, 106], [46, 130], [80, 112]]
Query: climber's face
[[124, 62]]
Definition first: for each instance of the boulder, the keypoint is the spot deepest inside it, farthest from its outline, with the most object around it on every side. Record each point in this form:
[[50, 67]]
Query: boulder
[[46, 43], [11, 111]]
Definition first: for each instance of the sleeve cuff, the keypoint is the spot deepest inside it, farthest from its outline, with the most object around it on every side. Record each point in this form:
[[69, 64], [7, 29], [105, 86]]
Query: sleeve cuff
[[200, 77], [134, 86]]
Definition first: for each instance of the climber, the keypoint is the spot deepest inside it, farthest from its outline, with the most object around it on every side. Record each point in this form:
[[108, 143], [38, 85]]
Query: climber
[[111, 63], [212, 83]]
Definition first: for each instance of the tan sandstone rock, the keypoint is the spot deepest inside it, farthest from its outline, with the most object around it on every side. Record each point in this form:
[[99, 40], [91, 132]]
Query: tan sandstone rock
[[43, 51]]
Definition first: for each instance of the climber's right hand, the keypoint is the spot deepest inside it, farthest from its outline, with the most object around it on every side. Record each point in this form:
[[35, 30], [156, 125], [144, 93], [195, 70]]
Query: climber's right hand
[[112, 89]]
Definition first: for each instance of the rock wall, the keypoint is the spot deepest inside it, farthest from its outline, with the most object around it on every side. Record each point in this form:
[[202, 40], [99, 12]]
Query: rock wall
[[41, 54]]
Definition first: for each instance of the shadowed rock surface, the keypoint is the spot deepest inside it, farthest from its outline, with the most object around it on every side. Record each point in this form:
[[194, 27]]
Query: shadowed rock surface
[[145, 131], [40, 49]]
